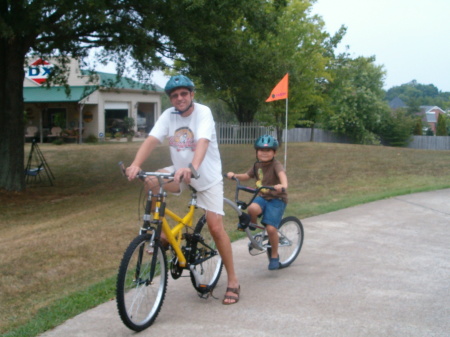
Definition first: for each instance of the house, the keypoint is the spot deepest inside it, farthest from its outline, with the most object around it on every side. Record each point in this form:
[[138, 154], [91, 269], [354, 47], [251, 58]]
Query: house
[[94, 103], [428, 113], [430, 116], [397, 103]]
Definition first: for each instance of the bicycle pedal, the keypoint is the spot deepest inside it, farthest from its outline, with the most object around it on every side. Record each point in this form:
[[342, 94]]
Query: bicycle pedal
[[206, 293], [241, 227]]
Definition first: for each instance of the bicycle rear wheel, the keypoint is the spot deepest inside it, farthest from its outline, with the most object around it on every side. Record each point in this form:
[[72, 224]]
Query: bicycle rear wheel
[[140, 296], [205, 262], [290, 243]]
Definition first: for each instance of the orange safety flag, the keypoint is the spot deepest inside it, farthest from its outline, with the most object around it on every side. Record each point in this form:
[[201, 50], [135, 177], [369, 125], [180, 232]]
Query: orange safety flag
[[280, 91]]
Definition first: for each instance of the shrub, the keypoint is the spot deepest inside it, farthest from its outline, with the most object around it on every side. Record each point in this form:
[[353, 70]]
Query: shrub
[[58, 141], [418, 128], [441, 129], [396, 128], [91, 139]]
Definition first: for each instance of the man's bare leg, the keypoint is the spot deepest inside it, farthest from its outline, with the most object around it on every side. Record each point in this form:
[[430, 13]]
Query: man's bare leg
[[223, 243]]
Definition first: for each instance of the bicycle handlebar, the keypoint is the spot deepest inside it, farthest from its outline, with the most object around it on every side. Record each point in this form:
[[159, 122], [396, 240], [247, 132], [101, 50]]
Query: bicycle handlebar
[[164, 175], [254, 191]]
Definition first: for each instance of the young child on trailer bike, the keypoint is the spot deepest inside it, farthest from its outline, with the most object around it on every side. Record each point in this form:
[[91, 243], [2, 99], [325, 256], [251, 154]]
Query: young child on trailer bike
[[269, 204]]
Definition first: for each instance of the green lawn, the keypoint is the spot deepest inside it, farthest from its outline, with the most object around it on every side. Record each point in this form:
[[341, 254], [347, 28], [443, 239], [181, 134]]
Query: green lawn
[[60, 246]]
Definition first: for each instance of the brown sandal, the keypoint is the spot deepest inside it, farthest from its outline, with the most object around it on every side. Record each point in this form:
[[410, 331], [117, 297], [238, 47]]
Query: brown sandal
[[230, 297]]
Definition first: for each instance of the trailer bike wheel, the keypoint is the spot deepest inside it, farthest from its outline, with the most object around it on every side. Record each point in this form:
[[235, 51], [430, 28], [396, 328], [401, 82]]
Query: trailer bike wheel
[[290, 241]]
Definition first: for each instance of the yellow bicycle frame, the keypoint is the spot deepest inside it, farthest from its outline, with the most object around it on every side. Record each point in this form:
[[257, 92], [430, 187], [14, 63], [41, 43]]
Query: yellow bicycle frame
[[174, 235]]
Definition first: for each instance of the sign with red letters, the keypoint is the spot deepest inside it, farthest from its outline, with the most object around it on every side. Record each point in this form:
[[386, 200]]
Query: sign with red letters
[[38, 71]]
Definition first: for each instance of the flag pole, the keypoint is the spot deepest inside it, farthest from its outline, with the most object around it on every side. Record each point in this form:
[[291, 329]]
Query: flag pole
[[281, 92], [285, 135]]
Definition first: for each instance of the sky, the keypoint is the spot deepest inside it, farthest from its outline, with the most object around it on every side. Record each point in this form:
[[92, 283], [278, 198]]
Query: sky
[[410, 38]]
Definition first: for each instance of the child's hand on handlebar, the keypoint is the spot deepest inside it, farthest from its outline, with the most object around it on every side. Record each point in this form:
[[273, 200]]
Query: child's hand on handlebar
[[230, 175], [279, 188]]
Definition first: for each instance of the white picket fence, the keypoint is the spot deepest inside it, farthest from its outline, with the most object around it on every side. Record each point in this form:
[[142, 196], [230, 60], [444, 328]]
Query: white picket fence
[[247, 133], [243, 133]]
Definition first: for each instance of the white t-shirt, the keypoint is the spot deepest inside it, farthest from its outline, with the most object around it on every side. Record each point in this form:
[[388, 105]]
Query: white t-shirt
[[183, 134]]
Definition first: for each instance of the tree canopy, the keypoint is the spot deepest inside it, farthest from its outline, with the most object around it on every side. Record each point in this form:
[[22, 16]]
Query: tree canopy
[[415, 94], [356, 98], [236, 51], [145, 32]]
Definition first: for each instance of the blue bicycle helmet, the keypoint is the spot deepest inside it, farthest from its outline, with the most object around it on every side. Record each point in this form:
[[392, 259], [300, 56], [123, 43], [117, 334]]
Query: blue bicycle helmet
[[179, 81], [266, 142]]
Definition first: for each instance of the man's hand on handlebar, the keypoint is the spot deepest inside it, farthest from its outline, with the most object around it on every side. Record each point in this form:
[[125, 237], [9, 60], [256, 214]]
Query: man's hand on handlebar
[[183, 174], [132, 171]]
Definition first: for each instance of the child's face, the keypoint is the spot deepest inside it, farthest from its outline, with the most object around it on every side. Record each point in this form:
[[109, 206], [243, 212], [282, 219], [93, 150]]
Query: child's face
[[265, 155]]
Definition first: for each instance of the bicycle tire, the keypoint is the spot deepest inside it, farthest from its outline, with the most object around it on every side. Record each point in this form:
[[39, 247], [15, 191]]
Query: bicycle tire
[[139, 300], [290, 243], [205, 262]]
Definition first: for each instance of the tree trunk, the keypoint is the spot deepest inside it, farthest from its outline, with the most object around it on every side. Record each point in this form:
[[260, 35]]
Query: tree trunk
[[311, 139], [12, 58], [280, 137]]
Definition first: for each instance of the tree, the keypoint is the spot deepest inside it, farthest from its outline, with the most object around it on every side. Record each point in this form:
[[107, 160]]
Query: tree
[[268, 41], [141, 31], [357, 98], [441, 128], [418, 127], [415, 94], [302, 48], [232, 67], [395, 128]]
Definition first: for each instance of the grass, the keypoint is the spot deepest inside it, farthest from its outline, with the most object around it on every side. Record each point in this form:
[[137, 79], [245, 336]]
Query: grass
[[60, 246]]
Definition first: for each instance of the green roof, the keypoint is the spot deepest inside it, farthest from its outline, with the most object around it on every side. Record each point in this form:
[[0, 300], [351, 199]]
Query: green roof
[[77, 93], [56, 94], [111, 81]]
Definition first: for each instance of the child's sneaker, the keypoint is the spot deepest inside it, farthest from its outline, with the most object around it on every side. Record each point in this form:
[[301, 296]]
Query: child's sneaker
[[252, 226], [274, 263], [241, 227]]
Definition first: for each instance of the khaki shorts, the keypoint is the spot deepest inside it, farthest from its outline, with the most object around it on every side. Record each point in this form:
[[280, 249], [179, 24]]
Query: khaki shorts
[[210, 199]]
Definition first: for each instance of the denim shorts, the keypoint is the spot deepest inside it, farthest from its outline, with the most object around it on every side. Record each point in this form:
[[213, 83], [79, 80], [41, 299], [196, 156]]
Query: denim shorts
[[272, 210]]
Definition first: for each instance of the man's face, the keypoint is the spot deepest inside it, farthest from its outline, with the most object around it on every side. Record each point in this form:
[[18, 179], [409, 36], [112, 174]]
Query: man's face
[[181, 98]]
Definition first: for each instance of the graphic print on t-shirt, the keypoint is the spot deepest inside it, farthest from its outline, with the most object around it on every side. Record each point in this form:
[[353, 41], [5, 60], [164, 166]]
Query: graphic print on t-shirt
[[183, 139], [259, 178]]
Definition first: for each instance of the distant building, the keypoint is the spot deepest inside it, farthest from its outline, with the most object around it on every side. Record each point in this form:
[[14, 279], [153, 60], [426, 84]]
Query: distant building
[[397, 103], [429, 114], [96, 103]]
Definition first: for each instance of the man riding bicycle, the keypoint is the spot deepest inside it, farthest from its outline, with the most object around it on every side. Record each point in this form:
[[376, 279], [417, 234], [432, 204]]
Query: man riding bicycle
[[189, 127]]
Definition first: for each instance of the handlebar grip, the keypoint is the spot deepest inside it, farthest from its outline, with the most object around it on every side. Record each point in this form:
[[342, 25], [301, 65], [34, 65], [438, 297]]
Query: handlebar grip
[[194, 171], [122, 168]]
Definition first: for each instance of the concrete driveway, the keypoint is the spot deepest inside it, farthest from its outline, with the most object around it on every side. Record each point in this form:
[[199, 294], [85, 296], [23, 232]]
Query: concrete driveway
[[379, 269]]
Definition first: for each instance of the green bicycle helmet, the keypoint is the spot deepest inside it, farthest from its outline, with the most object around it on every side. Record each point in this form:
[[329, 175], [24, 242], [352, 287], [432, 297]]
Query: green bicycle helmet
[[266, 142], [179, 81]]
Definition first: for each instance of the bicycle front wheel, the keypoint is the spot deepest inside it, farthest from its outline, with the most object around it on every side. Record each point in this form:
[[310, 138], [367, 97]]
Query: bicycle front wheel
[[206, 264], [290, 241], [141, 283]]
